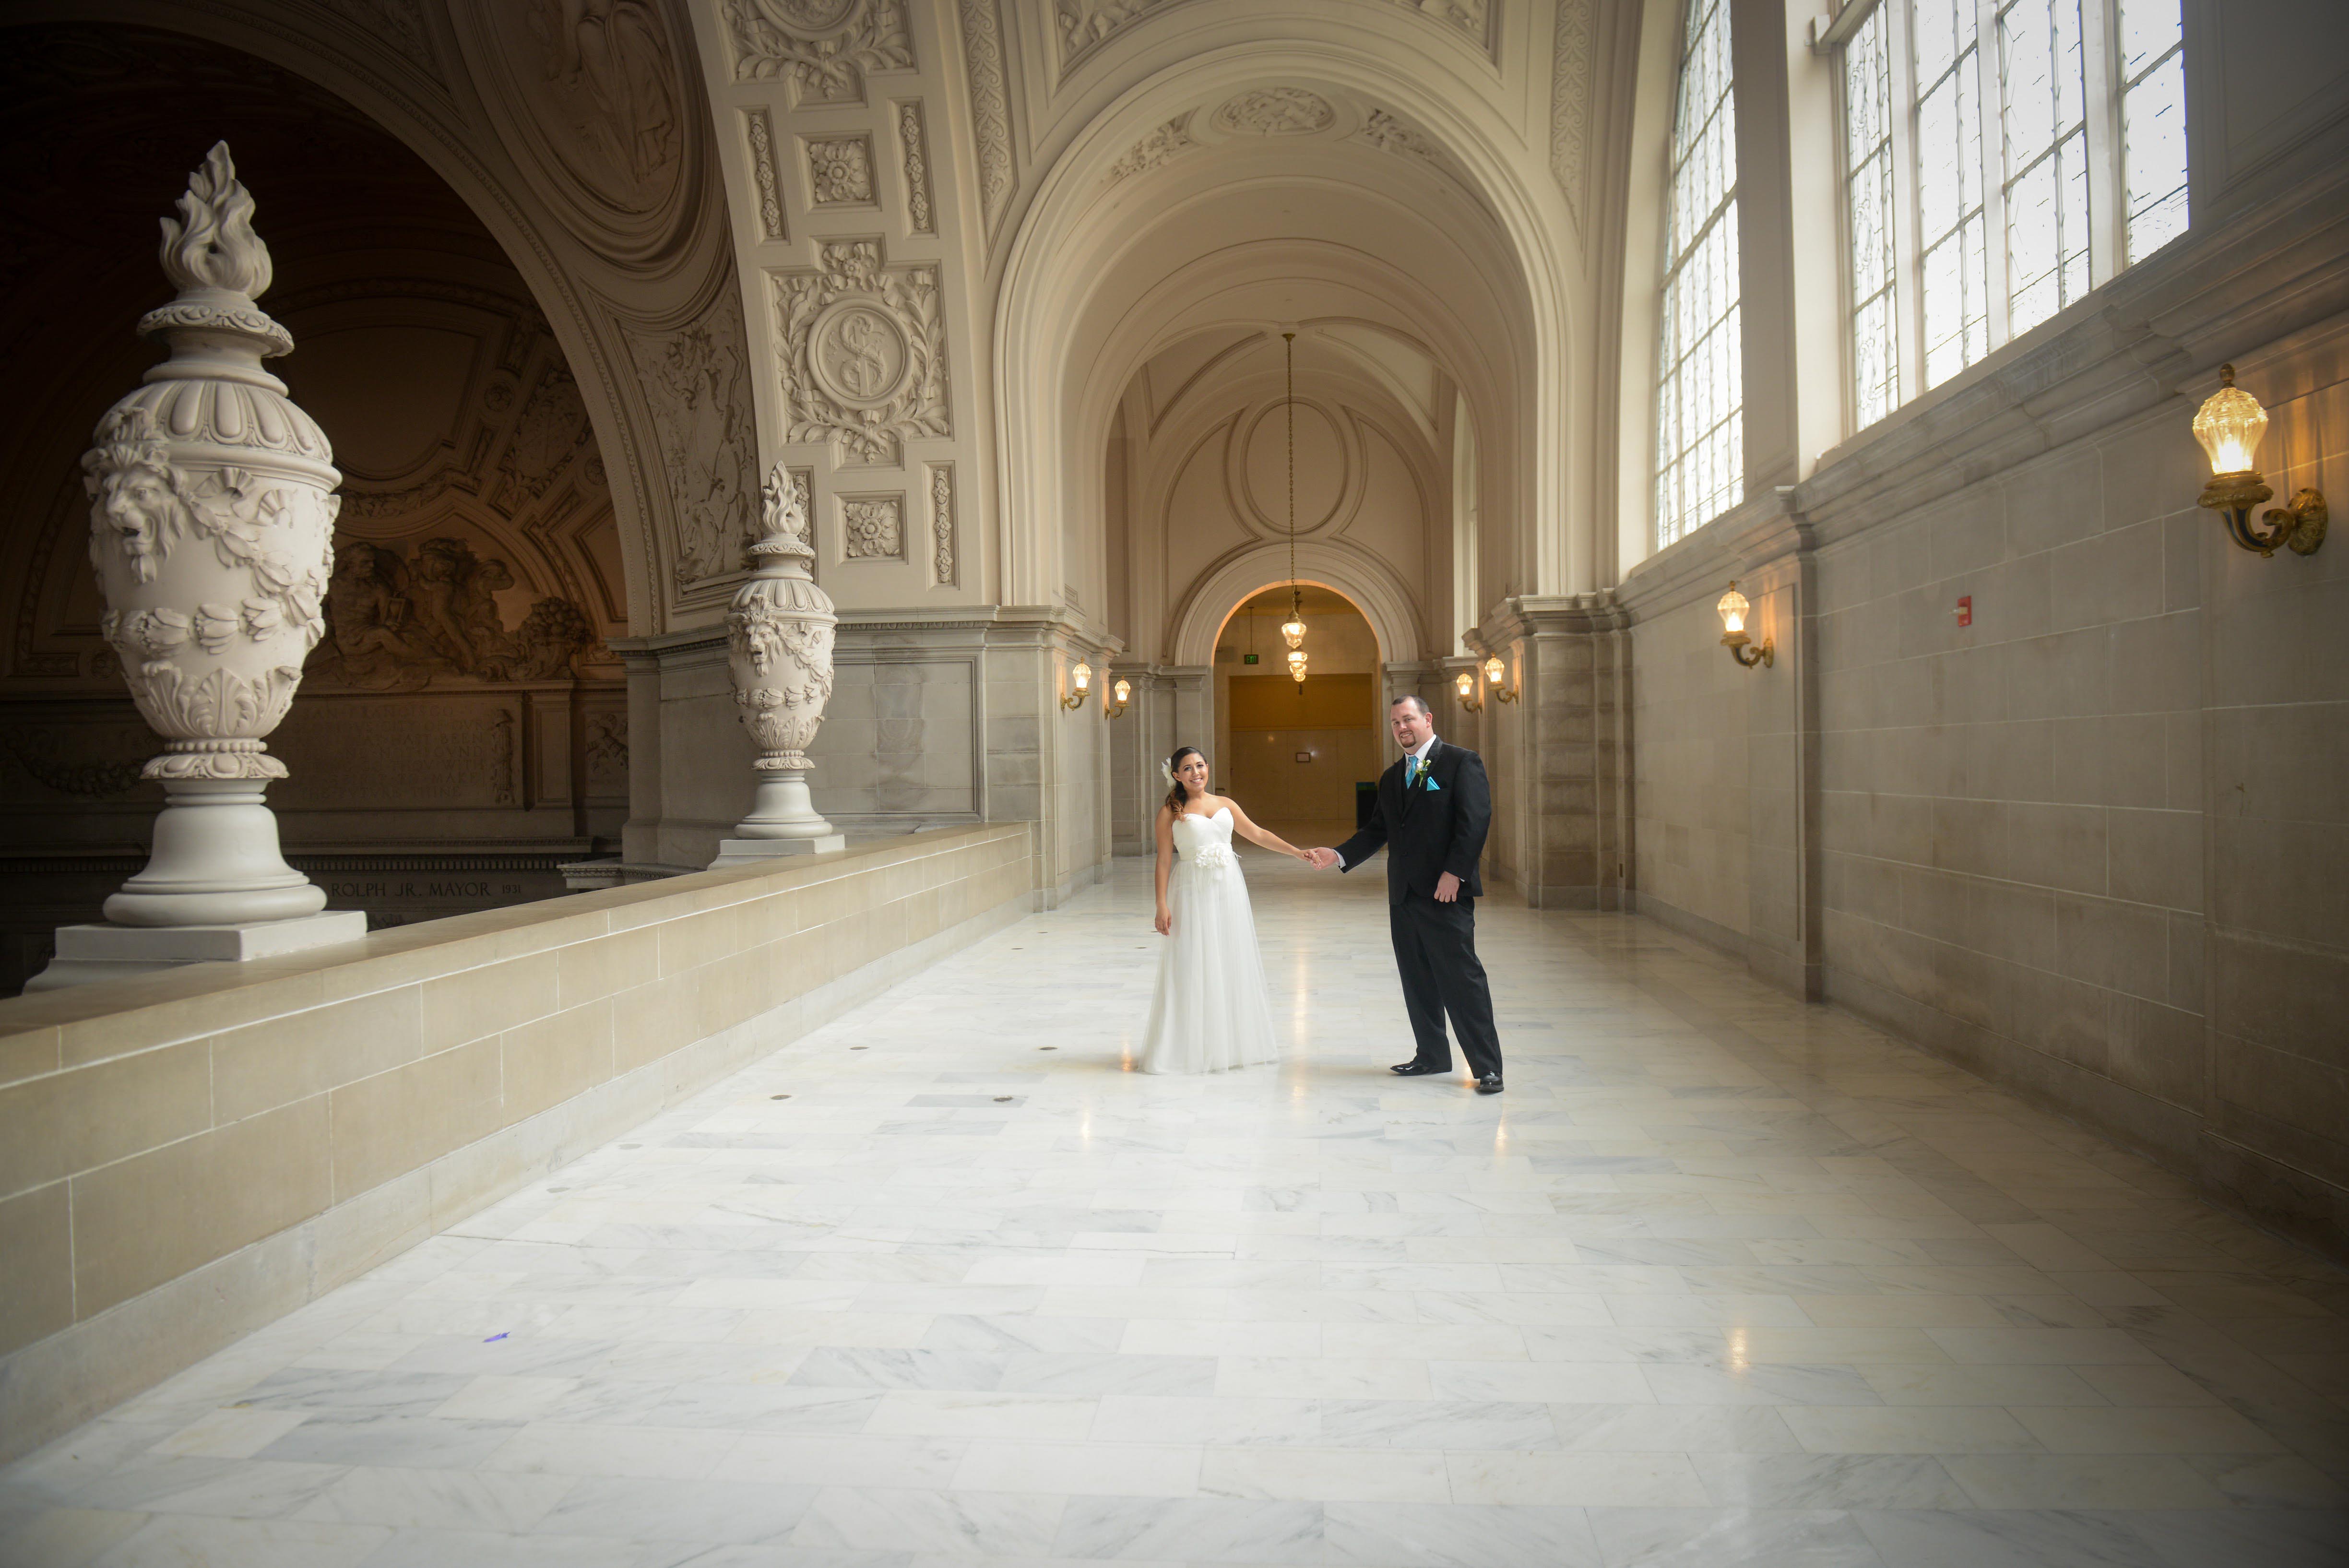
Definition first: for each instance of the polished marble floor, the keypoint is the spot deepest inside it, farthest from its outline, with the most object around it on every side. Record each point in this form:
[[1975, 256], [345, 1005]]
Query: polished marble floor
[[1721, 1280]]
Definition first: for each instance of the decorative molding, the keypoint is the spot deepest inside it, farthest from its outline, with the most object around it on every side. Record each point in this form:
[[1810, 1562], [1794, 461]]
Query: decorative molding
[[1276, 111], [942, 524], [863, 350], [1570, 103], [840, 171], [695, 380], [400, 21], [1168, 139], [1085, 25], [759, 133], [824, 48], [913, 144], [990, 108], [871, 527]]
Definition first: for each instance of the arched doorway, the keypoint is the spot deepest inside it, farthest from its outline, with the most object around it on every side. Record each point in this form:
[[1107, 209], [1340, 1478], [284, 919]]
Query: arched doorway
[[1294, 753]]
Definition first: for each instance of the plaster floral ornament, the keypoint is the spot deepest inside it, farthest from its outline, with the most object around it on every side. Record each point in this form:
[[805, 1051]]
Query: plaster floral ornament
[[779, 636], [212, 533]]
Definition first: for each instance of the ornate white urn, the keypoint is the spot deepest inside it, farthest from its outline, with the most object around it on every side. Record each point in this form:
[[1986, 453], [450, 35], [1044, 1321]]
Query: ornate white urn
[[212, 530], [779, 651]]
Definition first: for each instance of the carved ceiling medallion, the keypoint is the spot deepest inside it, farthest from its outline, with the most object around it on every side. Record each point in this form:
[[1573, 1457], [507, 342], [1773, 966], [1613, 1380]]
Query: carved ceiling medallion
[[859, 355], [863, 348]]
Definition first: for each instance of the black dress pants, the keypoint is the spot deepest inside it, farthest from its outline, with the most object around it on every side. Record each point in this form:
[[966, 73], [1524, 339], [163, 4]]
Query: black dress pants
[[1435, 951]]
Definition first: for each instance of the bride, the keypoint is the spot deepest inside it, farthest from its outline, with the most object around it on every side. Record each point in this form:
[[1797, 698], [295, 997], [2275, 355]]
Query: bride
[[1210, 1013]]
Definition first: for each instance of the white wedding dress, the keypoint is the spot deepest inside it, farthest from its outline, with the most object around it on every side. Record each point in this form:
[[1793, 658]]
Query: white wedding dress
[[1211, 1012]]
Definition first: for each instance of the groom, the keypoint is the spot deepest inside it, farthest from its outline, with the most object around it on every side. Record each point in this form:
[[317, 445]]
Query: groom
[[1433, 809]]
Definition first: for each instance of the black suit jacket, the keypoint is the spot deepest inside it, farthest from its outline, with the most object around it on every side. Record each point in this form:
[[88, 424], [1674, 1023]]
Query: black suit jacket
[[1427, 832]]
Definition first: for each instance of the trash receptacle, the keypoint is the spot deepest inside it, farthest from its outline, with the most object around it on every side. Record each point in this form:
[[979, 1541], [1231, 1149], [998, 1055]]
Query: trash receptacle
[[1366, 801]]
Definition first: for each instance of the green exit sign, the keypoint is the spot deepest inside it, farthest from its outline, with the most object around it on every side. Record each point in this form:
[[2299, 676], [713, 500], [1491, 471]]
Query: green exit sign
[[1247, 658]]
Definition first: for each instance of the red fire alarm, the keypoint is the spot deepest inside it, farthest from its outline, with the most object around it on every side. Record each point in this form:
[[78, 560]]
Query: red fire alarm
[[1966, 610]]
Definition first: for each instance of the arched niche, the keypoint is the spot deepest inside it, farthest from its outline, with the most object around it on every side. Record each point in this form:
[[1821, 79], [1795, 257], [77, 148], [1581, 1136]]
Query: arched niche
[[1422, 228], [622, 245], [1373, 590]]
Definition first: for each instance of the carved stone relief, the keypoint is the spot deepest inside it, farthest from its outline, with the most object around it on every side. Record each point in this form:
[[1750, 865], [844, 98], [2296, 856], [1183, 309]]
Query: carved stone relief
[[1154, 148], [863, 350], [991, 112], [1570, 103], [1087, 23], [396, 621], [697, 382], [942, 524], [1084, 25], [840, 171], [1392, 133], [873, 527], [915, 145], [593, 93], [550, 435], [1276, 111], [824, 48], [759, 135], [401, 21]]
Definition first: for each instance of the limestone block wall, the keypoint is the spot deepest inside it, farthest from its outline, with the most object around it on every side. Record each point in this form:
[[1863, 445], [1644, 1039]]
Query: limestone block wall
[[185, 1156], [2095, 844]]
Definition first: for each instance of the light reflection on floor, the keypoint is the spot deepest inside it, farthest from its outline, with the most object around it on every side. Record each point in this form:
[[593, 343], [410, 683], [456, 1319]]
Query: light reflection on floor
[[1721, 1280]]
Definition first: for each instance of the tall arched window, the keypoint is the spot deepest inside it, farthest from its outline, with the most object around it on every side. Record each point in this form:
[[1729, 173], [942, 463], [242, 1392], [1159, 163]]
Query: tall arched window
[[1699, 378]]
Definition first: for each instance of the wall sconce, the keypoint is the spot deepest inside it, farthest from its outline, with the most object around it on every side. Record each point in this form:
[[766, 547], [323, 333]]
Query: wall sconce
[[1733, 608], [1122, 693], [1081, 678], [2230, 425], [1493, 682], [1466, 684]]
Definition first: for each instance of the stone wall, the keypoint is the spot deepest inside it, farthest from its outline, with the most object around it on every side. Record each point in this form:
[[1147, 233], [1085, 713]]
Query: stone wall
[[187, 1156], [2095, 844]]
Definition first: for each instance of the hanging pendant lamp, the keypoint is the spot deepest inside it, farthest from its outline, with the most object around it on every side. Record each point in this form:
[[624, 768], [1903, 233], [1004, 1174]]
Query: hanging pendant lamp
[[1293, 629]]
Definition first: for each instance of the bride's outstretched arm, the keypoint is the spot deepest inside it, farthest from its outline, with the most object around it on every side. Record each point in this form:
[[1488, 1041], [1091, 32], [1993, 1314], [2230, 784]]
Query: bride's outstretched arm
[[1255, 835]]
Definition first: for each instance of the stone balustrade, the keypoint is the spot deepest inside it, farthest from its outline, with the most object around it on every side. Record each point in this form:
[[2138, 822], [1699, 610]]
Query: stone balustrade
[[190, 1154]]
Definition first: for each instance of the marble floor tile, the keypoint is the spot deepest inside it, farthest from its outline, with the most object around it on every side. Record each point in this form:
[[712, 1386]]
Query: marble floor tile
[[1722, 1279]]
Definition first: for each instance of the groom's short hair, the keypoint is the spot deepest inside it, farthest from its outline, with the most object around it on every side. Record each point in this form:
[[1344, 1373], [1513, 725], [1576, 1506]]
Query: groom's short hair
[[1416, 701]]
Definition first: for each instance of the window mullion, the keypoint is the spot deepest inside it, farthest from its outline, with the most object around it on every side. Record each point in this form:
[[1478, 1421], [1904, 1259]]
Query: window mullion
[[2100, 49], [1908, 294], [1989, 62]]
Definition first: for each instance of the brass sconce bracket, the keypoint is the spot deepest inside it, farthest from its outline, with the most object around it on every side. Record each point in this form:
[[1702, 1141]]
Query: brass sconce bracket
[[1504, 693], [1741, 648], [1470, 704], [2300, 524], [1120, 695], [1074, 701]]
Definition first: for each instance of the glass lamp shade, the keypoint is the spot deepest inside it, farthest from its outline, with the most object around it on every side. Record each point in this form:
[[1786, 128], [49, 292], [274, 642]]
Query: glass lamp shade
[[1294, 631], [1296, 664], [1081, 677], [1123, 690], [1467, 684], [1493, 672], [2230, 426], [1732, 608]]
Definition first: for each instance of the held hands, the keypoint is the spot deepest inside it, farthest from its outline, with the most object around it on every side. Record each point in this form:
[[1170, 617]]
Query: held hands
[[1447, 888], [1323, 859], [1165, 923]]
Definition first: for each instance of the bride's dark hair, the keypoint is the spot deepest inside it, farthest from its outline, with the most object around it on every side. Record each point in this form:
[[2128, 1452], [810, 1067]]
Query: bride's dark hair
[[1176, 796]]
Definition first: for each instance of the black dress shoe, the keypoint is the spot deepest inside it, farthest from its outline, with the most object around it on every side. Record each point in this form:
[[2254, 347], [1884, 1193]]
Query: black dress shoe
[[1490, 1084], [1416, 1069]]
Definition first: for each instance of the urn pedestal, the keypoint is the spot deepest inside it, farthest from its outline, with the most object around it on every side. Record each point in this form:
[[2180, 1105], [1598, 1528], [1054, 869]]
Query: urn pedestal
[[779, 651], [212, 533]]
